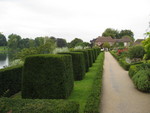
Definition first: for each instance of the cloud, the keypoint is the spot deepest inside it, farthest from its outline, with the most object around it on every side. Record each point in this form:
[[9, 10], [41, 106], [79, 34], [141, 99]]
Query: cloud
[[68, 19]]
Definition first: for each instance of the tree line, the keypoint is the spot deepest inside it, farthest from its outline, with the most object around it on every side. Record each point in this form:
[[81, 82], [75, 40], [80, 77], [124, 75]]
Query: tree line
[[16, 42]]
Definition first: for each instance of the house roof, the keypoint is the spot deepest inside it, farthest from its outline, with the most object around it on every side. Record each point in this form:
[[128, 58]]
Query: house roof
[[138, 42], [109, 39], [124, 39], [104, 39]]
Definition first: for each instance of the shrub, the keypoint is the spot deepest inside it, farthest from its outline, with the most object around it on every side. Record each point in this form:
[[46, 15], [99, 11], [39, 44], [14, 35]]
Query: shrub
[[10, 80], [47, 76], [142, 80], [133, 70], [78, 62], [124, 64], [93, 101], [90, 57], [86, 58], [136, 52], [37, 106]]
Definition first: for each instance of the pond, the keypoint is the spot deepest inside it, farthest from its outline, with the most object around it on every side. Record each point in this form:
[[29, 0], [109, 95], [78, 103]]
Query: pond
[[4, 60]]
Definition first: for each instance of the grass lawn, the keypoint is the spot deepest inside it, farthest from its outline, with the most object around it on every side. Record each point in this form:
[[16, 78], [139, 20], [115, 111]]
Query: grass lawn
[[82, 89]]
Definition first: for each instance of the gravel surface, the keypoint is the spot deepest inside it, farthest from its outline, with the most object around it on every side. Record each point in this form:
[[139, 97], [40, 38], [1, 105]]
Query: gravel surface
[[119, 94]]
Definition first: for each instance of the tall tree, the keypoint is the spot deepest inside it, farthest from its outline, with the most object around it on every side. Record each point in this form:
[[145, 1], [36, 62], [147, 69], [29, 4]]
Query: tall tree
[[13, 41], [111, 32], [126, 33], [39, 41], [3, 41], [61, 42], [74, 42], [24, 43]]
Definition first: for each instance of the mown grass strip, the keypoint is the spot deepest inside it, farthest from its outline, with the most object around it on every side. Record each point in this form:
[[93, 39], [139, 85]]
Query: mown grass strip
[[83, 89]]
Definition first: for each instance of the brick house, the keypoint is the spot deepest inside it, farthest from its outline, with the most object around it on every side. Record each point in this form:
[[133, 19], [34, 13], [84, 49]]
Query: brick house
[[101, 40]]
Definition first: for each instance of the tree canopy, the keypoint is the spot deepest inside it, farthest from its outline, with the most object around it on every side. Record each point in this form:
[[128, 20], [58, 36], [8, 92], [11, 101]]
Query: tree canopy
[[126, 33], [74, 42], [3, 41], [118, 34], [111, 32], [61, 42]]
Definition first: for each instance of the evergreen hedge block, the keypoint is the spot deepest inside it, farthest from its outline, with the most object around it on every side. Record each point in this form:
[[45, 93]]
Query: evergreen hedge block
[[94, 57], [86, 58], [90, 56], [10, 80], [37, 106], [47, 77], [78, 64]]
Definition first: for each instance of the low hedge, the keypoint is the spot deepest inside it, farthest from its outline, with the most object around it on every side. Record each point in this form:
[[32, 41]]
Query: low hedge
[[78, 62], [93, 101], [10, 80], [142, 80], [121, 61], [133, 70], [124, 64], [47, 76], [37, 106], [86, 58], [90, 57]]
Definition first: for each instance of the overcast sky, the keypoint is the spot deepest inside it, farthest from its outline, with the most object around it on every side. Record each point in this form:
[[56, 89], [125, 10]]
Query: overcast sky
[[69, 19]]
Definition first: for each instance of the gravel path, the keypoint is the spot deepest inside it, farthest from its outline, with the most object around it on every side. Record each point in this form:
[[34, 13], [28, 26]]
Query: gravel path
[[119, 94]]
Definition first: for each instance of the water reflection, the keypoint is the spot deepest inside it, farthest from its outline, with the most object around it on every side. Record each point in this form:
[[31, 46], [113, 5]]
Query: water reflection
[[4, 60]]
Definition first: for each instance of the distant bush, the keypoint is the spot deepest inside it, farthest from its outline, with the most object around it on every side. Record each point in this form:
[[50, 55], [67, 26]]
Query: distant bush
[[10, 80], [136, 52], [86, 57], [59, 50], [142, 80], [78, 62], [47, 76], [93, 101], [37, 106], [124, 64]]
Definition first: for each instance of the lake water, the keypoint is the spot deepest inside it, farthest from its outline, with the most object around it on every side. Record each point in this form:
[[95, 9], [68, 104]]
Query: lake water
[[4, 60]]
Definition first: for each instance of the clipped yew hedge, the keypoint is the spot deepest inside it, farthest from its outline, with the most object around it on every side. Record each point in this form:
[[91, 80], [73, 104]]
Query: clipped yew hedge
[[86, 57], [78, 62], [37, 106], [47, 77], [10, 80], [90, 57]]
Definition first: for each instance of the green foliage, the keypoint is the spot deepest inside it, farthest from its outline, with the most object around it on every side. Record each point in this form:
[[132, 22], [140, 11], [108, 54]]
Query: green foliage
[[128, 33], [124, 64], [10, 80], [133, 70], [93, 100], [24, 43], [106, 45], [78, 64], [47, 76], [146, 44], [39, 41], [61, 42], [142, 80], [86, 57], [136, 52], [3, 41], [75, 42], [111, 32], [37, 106], [13, 41]]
